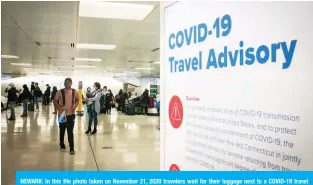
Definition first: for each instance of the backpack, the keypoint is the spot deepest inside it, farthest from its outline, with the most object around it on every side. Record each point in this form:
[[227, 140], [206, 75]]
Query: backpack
[[39, 93], [63, 96]]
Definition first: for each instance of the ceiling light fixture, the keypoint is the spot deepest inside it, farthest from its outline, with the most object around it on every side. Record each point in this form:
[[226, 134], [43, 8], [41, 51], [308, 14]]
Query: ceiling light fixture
[[156, 62], [59, 59], [89, 59], [143, 68], [96, 46], [9, 56], [84, 66], [110, 10], [20, 64]]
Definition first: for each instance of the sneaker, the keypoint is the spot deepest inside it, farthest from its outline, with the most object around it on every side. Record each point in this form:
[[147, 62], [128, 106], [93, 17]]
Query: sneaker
[[24, 115], [11, 119], [62, 147], [72, 152]]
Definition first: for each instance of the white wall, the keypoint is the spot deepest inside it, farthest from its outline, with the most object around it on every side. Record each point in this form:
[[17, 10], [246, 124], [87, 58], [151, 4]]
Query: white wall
[[58, 81]]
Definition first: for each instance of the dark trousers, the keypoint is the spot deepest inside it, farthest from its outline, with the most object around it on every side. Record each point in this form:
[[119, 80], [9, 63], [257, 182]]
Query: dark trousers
[[123, 108], [47, 100], [69, 126], [108, 108]]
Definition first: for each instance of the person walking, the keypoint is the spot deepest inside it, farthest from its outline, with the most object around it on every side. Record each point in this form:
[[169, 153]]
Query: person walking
[[67, 100], [26, 97], [12, 98], [93, 107]]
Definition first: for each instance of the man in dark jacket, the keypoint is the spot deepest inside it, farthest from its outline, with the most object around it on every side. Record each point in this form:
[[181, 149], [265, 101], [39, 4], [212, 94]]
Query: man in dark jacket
[[47, 95], [145, 101], [37, 94], [26, 97], [32, 88], [12, 98]]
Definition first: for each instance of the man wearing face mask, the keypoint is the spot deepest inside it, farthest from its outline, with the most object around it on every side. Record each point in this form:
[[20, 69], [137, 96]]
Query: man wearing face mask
[[93, 107], [67, 100]]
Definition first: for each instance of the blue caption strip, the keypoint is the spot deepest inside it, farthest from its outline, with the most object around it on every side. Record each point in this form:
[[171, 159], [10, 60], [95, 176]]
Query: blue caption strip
[[156, 178]]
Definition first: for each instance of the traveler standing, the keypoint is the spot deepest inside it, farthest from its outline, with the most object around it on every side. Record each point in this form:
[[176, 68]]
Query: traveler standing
[[103, 100], [93, 107], [37, 94], [47, 95], [19, 99], [26, 97], [145, 101], [67, 100], [109, 100], [54, 92], [118, 99], [32, 88], [158, 103], [12, 98]]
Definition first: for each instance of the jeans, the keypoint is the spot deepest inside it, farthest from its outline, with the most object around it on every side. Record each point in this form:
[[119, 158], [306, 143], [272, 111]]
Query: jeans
[[69, 125], [12, 104], [36, 102], [25, 104], [92, 115]]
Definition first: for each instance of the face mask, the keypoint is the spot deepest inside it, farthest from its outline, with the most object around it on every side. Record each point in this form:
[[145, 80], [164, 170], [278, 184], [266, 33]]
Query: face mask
[[67, 85]]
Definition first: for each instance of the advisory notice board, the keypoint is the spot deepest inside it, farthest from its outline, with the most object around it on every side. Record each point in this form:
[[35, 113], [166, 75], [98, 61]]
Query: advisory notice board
[[238, 86]]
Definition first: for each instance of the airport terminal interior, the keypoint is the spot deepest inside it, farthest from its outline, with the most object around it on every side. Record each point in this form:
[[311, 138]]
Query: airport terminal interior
[[115, 44]]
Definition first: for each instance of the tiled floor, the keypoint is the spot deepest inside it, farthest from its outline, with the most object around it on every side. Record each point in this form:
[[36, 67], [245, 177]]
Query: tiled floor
[[122, 143]]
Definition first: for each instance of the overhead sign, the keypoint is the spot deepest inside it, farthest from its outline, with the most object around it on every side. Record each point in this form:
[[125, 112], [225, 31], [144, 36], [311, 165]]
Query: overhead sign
[[237, 86]]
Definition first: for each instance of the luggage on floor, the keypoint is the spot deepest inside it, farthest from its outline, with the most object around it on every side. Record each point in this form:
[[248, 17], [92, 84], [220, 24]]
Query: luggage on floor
[[31, 107], [138, 110], [130, 110], [157, 105], [151, 103]]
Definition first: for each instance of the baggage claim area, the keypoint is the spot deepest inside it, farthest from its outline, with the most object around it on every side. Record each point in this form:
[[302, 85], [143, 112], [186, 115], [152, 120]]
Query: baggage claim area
[[46, 42]]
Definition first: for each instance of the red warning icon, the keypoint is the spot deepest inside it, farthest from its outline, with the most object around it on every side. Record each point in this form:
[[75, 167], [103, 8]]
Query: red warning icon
[[174, 167], [175, 112]]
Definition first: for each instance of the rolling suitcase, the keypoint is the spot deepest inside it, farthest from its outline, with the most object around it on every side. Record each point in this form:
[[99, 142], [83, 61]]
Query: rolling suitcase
[[31, 107]]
